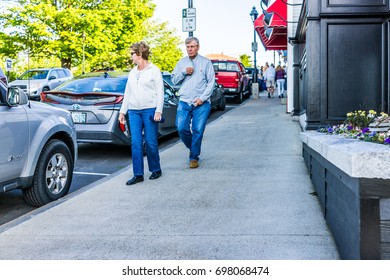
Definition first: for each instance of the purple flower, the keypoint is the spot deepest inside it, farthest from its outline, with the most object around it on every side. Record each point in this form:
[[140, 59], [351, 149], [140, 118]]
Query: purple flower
[[330, 130], [387, 141], [349, 127], [372, 134], [366, 129]]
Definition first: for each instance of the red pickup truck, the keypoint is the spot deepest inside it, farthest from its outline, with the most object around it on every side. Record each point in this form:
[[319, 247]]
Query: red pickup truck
[[231, 75]]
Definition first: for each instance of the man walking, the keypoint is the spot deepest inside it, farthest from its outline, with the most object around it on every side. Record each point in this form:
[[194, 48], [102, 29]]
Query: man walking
[[269, 75], [196, 75]]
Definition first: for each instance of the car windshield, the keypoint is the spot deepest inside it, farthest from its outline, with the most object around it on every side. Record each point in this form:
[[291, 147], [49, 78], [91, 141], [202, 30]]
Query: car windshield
[[167, 78], [94, 85], [34, 75], [225, 66]]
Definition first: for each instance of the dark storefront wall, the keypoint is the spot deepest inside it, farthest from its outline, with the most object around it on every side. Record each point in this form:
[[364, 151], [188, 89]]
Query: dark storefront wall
[[342, 61]]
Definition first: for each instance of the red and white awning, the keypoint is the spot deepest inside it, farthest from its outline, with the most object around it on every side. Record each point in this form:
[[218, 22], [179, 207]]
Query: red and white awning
[[271, 26]]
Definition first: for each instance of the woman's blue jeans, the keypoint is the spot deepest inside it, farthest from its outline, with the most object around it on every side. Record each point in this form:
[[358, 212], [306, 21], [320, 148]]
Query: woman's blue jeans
[[192, 134], [140, 120]]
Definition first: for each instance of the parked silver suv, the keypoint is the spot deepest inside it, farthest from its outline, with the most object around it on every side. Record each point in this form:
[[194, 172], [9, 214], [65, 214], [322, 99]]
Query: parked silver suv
[[34, 81], [38, 147], [3, 77]]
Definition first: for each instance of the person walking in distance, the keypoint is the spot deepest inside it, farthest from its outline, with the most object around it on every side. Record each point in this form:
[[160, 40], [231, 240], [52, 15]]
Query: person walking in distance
[[196, 75], [143, 102], [280, 80], [269, 75]]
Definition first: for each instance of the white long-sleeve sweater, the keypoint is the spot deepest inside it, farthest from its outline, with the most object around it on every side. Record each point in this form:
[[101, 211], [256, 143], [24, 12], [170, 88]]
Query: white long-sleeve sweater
[[144, 90]]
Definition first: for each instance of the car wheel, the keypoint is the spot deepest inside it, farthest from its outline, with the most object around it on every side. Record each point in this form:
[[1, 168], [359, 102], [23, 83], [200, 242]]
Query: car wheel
[[240, 97], [222, 104], [53, 174]]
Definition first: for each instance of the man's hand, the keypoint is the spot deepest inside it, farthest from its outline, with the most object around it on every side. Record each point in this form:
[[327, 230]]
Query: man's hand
[[189, 70], [197, 102]]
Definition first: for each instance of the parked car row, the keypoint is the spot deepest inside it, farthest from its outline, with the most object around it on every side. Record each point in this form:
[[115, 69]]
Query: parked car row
[[232, 76], [3, 77], [35, 81], [38, 147], [217, 99], [39, 142]]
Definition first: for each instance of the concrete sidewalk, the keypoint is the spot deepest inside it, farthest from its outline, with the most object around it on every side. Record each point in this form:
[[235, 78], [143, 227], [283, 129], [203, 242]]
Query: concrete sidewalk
[[250, 198]]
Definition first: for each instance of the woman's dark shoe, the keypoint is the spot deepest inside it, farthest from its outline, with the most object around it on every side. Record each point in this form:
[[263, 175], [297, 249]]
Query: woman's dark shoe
[[155, 175], [135, 180]]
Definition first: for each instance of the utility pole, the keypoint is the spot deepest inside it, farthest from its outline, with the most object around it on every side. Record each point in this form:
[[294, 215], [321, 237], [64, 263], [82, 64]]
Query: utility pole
[[190, 5], [255, 86]]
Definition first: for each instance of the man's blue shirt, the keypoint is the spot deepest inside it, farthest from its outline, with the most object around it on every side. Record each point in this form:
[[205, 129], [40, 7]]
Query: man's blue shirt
[[198, 85]]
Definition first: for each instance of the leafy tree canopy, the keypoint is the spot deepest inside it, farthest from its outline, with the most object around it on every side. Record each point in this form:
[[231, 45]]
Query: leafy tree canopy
[[98, 32], [246, 60]]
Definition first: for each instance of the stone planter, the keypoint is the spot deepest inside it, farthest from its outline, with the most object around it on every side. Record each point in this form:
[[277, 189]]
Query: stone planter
[[352, 180], [380, 126]]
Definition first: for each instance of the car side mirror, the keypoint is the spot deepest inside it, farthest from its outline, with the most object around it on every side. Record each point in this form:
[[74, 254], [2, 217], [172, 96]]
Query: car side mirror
[[52, 77], [16, 97]]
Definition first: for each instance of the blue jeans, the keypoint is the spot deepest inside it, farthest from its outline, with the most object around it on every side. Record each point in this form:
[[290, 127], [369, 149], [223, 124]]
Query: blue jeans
[[139, 121], [199, 115]]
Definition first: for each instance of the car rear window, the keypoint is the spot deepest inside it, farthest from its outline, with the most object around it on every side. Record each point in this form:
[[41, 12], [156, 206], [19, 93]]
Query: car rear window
[[225, 66], [34, 75], [94, 85]]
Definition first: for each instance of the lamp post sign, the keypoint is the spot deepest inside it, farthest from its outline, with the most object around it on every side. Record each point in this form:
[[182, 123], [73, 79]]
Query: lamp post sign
[[8, 64], [189, 19], [254, 46]]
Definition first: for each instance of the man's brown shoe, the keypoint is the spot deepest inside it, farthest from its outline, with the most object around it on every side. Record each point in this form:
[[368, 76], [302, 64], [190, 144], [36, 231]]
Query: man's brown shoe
[[193, 163]]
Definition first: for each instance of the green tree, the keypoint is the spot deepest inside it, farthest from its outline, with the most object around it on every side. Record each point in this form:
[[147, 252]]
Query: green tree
[[163, 44], [100, 30], [246, 60]]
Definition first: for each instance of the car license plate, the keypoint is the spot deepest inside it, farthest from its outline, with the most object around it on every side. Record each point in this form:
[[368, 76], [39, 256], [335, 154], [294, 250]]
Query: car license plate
[[79, 117]]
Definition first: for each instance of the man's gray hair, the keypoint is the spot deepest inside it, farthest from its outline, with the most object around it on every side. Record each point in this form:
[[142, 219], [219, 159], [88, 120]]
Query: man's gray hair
[[190, 39]]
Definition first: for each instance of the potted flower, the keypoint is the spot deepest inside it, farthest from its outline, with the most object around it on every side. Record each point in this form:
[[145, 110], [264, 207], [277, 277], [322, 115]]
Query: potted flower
[[364, 126]]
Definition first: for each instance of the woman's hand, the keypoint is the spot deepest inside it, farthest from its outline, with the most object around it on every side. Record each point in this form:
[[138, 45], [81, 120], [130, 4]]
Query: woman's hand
[[121, 118], [157, 116]]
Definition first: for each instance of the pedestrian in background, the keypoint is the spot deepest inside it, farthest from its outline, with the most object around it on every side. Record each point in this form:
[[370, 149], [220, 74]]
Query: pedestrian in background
[[143, 102], [269, 76], [196, 75], [280, 80], [265, 67]]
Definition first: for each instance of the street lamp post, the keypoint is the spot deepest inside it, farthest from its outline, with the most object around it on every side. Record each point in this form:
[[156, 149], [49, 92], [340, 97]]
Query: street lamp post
[[255, 85], [190, 5], [83, 52]]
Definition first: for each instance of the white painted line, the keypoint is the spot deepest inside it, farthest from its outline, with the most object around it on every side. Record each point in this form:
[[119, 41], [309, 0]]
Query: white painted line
[[89, 173]]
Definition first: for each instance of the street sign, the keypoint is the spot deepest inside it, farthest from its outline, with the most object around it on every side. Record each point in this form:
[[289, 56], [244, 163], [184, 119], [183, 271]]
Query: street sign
[[8, 64], [254, 46], [189, 12], [189, 19]]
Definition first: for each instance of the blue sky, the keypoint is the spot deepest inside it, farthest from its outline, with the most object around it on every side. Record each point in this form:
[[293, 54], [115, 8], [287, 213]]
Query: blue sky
[[222, 26]]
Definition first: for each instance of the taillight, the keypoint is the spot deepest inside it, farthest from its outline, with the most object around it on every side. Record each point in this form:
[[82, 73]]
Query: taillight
[[118, 100], [45, 99]]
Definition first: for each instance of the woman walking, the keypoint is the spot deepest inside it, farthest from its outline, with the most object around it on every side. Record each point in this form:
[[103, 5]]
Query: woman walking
[[143, 102], [280, 80]]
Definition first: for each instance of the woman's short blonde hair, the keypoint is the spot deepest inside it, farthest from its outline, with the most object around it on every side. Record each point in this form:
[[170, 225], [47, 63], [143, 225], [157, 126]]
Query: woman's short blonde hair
[[141, 48]]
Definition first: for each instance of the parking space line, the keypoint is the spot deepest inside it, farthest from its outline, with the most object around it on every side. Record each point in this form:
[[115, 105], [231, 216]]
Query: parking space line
[[90, 173]]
